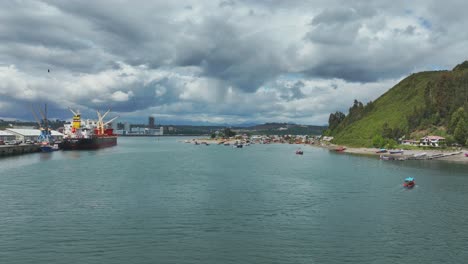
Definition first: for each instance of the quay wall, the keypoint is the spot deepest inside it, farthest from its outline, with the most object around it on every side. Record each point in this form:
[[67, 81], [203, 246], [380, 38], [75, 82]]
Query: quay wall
[[7, 150]]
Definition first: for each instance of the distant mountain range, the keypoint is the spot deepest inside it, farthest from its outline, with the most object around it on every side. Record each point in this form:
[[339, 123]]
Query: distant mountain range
[[425, 103], [263, 129]]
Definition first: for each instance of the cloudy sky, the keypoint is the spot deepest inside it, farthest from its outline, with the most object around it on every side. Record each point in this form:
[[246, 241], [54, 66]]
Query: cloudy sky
[[218, 61]]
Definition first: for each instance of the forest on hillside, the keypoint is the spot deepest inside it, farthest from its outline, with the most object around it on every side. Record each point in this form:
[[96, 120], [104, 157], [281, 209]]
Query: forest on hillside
[[443, 111]]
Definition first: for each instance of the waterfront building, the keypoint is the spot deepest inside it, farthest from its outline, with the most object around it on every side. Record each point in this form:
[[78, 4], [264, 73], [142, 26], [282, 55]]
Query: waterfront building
[[6, 136], [23, 135]]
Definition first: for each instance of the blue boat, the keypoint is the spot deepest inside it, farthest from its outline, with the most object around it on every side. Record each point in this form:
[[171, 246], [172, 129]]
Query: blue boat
[[382, 150]]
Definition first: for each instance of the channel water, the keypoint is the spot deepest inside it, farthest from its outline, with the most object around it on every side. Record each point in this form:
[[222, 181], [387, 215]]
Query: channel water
[[158, 200]]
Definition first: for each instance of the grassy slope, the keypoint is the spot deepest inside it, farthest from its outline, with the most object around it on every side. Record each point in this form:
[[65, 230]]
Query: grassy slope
[[392, 107]]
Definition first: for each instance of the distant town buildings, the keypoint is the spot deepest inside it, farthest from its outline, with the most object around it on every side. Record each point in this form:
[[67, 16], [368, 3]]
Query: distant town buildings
[[151, 122]]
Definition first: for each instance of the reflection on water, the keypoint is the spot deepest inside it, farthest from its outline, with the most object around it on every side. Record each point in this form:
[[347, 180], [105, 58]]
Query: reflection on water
[[45, 156]]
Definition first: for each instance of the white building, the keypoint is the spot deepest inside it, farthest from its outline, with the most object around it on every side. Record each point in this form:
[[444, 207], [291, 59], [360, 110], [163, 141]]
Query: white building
[[432, 141], [24, 135], [6, 136]]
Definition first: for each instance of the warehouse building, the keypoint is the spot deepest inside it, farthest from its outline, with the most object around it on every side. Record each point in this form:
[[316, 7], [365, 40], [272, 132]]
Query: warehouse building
[[6, 136], [23, 135]]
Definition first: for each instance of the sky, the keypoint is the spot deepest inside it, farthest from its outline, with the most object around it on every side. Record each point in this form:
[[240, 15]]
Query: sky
[[218, 61]]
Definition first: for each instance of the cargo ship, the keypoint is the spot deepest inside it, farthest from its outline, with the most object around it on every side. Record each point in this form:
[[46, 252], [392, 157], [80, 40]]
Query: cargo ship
[[88, 135]]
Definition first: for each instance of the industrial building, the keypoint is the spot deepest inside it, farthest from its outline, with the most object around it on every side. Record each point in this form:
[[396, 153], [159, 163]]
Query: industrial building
[[23, 135], [6, 136]]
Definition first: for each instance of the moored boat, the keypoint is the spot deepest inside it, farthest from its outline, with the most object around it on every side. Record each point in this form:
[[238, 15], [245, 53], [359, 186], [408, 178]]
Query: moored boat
[[47, 147], [91, 136], [340, 149], [396, 151], [299, 152], [382, 150], [409, 183]]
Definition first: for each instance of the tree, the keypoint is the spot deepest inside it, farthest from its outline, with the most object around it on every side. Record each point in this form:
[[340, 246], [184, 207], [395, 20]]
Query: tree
[[386, 131], [378, 141], [460, 133], [391, 144], [335, 119], [228, 132], [455, 119]]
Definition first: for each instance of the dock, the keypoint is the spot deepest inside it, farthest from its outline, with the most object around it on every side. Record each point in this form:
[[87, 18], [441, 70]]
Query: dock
[[11, 150]]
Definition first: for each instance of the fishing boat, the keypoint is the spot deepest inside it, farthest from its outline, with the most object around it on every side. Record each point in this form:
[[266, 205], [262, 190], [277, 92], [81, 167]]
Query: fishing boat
[[299, 152], [409, 183], [340, 149]]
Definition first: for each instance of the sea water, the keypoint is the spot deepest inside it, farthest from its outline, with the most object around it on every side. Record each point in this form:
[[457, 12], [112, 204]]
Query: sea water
[[158, 200]]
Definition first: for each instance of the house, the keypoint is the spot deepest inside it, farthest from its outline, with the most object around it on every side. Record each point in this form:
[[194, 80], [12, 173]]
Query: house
[[432, 141]]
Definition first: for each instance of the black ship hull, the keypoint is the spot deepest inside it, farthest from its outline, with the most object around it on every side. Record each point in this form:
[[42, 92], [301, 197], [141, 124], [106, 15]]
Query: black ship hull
[[88, 143]]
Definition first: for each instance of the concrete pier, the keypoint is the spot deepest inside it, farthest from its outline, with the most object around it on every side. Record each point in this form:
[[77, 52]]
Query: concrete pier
[[8, 150]]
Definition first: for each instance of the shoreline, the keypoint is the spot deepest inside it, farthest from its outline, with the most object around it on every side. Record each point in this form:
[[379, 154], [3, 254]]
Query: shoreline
[[445, 155], [431, 154]]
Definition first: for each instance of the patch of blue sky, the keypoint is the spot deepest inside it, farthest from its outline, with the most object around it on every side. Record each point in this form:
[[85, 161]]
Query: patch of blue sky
[[424, 23]]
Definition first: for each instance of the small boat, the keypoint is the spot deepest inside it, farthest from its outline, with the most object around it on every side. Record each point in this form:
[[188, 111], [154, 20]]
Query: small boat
[[299, 152], [409, 183], [340, 149], [382, 150], [239, 146], [46, 147], [396, 151]]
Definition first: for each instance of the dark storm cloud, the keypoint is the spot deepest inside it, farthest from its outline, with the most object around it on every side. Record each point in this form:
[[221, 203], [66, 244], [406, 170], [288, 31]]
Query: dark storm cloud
[[294, 92], [208, 57], [221, 50]]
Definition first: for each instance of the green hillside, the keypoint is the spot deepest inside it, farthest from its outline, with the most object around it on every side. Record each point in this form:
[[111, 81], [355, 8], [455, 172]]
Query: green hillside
[[426, 102]]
